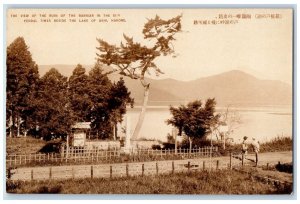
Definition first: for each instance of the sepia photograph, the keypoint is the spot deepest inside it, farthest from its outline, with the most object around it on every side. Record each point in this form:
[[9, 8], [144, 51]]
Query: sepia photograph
[[149, 101]]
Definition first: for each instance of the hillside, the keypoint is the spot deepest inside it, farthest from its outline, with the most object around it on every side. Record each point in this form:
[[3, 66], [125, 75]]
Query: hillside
[[233, 87]]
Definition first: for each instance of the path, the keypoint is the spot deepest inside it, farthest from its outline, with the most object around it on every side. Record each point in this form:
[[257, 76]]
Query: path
[[141, 168]]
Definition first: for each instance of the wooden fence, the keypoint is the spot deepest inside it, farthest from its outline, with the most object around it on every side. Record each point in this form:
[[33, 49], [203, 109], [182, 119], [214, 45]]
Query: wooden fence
[[113, 170], [81, 155]]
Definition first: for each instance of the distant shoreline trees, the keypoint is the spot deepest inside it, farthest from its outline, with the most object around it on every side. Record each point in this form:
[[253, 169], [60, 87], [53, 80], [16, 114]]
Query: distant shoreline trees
[[47, 107]]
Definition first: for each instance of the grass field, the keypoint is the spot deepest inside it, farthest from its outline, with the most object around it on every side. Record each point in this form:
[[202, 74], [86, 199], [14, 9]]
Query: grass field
[[23, 145], [218, 182]]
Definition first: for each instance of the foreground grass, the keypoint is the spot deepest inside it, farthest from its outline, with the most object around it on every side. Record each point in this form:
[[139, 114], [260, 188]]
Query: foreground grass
[[219, 182]]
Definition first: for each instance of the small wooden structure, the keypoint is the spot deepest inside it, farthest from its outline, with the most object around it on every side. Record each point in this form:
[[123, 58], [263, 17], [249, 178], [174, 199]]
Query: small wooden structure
[[79, 131]]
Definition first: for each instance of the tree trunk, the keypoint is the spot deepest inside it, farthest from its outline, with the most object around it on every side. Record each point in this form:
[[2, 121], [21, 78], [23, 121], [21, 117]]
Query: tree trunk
[[191, 142], [175, 143], [18, 126], [11, 126], [224, 141], [115, 131], [67, 152], [142, 113]]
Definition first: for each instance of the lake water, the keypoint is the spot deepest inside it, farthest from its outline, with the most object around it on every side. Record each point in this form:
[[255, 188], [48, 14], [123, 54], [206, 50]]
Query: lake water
[[263, 123]]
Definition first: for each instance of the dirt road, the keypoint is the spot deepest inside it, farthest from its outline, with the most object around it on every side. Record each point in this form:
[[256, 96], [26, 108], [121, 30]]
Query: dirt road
[[142, 168]]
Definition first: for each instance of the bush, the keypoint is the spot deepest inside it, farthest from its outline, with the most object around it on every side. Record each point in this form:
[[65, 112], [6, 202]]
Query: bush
[[277, 144], [50, 190], [287, 167]]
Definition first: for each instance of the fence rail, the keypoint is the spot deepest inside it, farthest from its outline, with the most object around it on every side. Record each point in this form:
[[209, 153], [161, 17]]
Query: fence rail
[[112, 170], [81, 155]]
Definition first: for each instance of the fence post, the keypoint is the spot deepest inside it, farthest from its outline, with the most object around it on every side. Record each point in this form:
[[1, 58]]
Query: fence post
[[73, 173], [173, 167], [31, 174], [110, 171], [127, 170], [267, 166], [189, 166], [50, 172], [92, 172], [143, 169], [203, 165], [156, 168], [97, 155], [242, 159], [256, 159], [67, 155], [230, 161], [217, 165]]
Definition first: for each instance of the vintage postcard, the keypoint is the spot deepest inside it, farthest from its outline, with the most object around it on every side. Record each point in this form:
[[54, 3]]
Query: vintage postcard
[[149, 101]]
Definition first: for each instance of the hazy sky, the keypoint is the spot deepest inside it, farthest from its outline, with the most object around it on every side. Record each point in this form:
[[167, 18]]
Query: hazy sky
[[259, 46]]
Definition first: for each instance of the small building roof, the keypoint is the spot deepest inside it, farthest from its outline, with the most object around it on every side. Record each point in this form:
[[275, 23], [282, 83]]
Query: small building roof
[[82, 125]]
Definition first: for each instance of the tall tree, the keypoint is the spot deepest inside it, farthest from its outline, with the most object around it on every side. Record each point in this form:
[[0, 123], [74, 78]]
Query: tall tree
[[53, 115], [194, 119], [22, 78], [99, 93], [118, 100], [80, 102], [134, 60]]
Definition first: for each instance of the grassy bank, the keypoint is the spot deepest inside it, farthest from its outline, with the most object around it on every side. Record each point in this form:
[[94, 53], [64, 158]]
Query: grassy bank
[[278, 144], [23, 145], [219, 182]]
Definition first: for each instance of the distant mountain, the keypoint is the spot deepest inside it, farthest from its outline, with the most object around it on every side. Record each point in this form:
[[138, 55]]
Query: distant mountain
[[233, 87]]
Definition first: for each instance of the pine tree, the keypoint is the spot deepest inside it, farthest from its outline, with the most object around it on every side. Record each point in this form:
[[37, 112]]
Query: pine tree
[[134, 60], [80, 102], [99, 93], [53, 116], [194, 119], [118, 100], [22, 78]]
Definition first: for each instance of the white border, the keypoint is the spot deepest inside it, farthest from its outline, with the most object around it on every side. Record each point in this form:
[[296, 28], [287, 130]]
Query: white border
[[140, 2]]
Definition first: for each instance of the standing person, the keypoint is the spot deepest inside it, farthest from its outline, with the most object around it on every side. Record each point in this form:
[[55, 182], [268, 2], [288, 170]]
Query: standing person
[[255, 145], [245, 147]]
